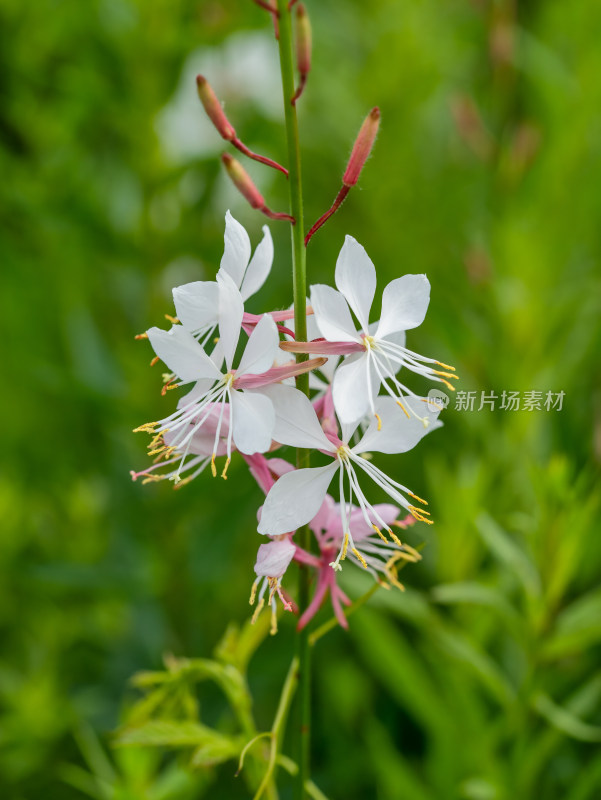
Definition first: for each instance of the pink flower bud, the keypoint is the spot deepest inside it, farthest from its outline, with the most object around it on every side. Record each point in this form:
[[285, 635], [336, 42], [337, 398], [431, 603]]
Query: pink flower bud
[[303, 40], [362, 147], [213, 108], [242, 181]]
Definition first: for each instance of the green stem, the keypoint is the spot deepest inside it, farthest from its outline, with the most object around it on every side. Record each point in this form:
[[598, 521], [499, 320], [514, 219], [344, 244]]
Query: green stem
[[277, 728], [299, 278]]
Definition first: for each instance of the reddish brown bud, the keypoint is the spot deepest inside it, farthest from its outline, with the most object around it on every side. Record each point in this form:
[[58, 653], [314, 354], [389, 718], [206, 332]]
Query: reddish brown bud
[[213, 108], [362, 147], [303, 40], [242, 181]]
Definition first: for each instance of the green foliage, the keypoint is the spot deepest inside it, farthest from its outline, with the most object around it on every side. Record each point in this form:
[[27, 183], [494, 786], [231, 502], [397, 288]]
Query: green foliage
[[481, 681]]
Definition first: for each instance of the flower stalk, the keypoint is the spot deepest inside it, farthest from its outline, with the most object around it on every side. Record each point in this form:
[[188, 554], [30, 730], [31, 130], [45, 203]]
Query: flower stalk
[[299, 276]]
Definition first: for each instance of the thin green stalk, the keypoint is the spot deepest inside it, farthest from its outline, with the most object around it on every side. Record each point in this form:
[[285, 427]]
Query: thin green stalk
[[299, 278], [277, 728]]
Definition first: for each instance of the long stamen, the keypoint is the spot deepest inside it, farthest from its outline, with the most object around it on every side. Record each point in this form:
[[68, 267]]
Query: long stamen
[[348, 539], [415, 363]]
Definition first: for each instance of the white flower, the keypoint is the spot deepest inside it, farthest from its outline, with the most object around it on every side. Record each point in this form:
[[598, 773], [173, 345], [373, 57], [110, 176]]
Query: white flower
[[196, 303], [251, 414], [376, 355], [297, 496]]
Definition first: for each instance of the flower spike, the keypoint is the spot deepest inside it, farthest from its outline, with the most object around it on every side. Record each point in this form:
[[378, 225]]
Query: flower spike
[[361, 151], [243, 182], [224, 127]]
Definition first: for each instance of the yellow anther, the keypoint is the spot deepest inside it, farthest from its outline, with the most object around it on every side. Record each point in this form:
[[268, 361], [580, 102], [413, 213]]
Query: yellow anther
[[359, 557], [172, 320], [148, 427], [253, 593], [446, 374], [395, 538], [392, 573], [154, 361], [156, 440], [152, 479], [407, 414], [273, 585], [419, 515], [213, 467], [169, 451], [168, 386], [379, 532], [223, 474], [449, 386], [445, 366], [377, 416], [395, 581], [216, 339], [415, 497], [141, 336], [257, 611], [417, 556], [156, 451], [274, 622], [344, 547], [181, 482]]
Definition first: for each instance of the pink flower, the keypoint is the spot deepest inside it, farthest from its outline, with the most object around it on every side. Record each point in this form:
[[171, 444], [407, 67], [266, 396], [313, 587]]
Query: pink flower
[[273, 560], [376, 554]]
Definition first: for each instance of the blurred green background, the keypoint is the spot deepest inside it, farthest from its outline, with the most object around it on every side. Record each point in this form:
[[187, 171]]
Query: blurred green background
[[483, 680]]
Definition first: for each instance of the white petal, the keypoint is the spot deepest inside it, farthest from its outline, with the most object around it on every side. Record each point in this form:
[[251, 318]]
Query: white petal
[[296, 422], [262, 348], [182, 354], [259, 267], [399, 433], [332, 315], [351, 388], [273, 558], [196, 304], [404, 304], [231, 311], [356, 278], [236, 251], [295, 499], [253, 419]]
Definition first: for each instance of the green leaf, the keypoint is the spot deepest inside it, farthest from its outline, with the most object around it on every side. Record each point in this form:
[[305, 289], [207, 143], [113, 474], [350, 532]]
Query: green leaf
[[474, 593], [509, 553], [171, 733], [578, 626], [565, 721], [460, 647]]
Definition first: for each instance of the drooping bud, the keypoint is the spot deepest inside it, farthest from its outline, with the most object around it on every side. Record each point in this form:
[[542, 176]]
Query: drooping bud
[[213, 108], [243, 182], [303, 48], [217, 116], [362, 147]]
